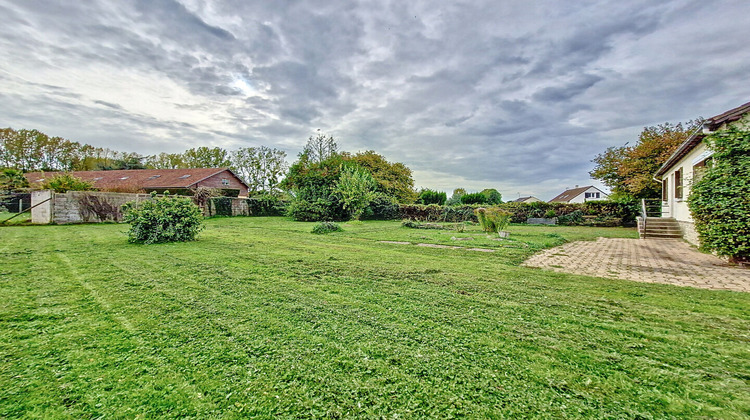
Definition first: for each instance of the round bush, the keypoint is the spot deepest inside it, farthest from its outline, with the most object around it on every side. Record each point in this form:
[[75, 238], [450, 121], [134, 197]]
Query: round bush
[[326, 227], [163, 219]]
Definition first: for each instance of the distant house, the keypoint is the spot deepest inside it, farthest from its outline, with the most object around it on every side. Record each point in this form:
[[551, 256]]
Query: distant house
[[176, 181], [528, 199], [686, 163], [580, 195]]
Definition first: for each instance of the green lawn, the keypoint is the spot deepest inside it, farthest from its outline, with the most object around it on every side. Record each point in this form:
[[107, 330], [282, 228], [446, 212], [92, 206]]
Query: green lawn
[[24, 218], [261, 318]]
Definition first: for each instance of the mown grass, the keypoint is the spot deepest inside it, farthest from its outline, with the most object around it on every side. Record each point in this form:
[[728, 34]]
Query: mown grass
[[11, 218], [262, 318]]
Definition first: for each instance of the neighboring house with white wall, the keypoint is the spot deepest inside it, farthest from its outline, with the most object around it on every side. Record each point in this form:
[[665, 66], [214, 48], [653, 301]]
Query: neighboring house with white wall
[[580, 195], [686, 163]]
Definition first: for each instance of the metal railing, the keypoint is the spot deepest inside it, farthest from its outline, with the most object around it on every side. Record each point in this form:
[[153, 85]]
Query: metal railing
[[651, 207]]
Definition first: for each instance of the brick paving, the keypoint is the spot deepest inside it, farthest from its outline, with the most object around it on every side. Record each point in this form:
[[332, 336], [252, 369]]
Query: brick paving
[[668, 261]]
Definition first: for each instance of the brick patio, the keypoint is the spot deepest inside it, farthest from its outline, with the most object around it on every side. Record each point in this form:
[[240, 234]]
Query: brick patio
[[668, 261]]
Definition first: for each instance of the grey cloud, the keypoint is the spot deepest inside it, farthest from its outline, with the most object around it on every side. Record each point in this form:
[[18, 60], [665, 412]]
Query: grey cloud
[[491, 92], [108, 104], [567, 91]]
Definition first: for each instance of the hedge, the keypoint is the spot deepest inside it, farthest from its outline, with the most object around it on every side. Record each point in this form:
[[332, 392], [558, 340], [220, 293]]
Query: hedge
[[602, 212]]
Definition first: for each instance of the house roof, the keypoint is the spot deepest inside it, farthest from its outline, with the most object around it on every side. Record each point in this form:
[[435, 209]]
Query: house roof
[[522, 199], [568, 195], [142, 178], [697, 137]]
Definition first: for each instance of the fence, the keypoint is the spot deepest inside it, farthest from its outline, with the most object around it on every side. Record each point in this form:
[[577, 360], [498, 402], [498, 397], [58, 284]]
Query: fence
[[15, 202]]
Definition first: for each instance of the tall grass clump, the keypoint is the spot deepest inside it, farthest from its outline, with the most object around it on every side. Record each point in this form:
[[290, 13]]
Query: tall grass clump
[[493, 220]]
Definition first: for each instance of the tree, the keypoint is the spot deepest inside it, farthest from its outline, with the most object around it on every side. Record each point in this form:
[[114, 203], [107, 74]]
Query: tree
[[456, 197], [629, 171], [393, 179], [65, 182], [355, 188], [206, 157], [166, 161], [311, 185], [427, 196], [12, 180], [719, 198], [320, 148], [493, 196], [473, 198], [260, 167]]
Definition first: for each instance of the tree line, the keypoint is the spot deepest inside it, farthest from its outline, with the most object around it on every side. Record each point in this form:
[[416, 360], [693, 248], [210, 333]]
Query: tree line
[[262, 168], [327, 182]]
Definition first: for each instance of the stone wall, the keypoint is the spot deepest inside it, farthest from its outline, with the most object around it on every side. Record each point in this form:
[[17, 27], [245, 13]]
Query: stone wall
[[97, 207], [41, 210], [688, 232], [80, 206], [238, 206]]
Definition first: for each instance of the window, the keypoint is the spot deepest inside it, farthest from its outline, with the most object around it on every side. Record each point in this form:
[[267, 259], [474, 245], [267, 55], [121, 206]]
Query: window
[[97, 178], [678, 183], [700, 168], [224, 181], [184, 176], [592, 195], [154, 176], [665, 189], [124, 178]]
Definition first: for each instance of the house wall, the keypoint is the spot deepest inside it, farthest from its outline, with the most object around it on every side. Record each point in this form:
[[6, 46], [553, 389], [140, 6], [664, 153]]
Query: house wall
[[678, 207], [215, 181], [581, 198]]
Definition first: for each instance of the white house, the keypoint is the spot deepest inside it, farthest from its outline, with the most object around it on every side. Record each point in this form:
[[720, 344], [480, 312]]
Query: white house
[[580, 195], [686, 163]]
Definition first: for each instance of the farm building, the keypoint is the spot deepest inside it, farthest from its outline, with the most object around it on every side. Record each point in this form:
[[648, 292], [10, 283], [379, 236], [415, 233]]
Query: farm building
[[176, 181]]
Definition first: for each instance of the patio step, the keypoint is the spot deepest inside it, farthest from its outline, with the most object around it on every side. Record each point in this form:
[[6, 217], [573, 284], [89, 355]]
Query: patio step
[[662, 227]]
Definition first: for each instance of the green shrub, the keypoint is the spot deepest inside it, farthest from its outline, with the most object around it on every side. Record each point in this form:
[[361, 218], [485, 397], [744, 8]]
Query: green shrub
[[320, 209], [549, 214], [493, 196], [427, 196], [719, 199], [355, 188], [326, 227], [573, 218], [416, 225], [266, 205], [493, 219], [474, 198], [222, 206], [382, 207], [65, 182], [411, 224], [12, 180], [163, 219], [623, 211]]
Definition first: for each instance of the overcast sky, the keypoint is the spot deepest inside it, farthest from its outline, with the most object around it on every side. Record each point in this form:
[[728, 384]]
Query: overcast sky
[[518, 96]]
